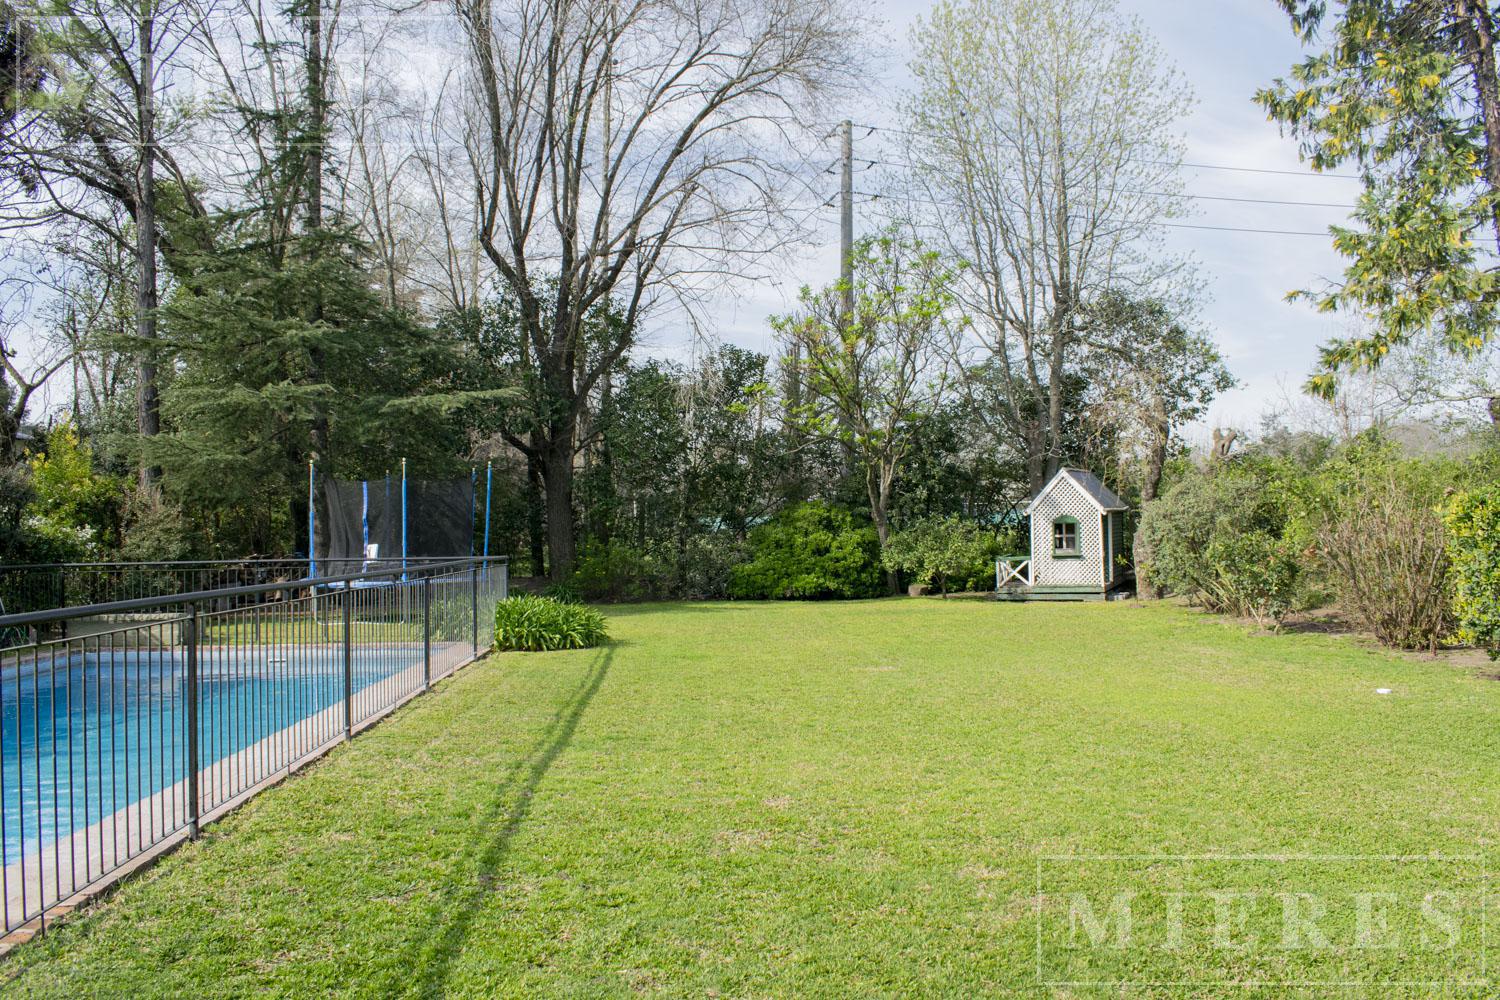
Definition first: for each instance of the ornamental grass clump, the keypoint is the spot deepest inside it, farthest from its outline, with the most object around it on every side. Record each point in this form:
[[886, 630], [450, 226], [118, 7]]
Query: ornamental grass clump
[[538, 624]]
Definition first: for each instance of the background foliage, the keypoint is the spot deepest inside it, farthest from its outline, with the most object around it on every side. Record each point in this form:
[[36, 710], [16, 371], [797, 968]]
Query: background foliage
[[811, 551]]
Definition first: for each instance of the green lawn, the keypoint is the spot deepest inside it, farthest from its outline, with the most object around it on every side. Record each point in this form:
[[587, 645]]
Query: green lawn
[[843, 800]]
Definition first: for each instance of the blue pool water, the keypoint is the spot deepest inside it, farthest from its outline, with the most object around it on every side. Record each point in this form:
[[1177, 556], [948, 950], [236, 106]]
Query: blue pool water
[[82, 738]]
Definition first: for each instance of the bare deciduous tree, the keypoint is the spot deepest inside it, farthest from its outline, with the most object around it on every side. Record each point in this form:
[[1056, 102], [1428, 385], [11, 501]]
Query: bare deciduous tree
[[625, 151], [1424, 377], [92, 151], [19, 380], [1045, 132]]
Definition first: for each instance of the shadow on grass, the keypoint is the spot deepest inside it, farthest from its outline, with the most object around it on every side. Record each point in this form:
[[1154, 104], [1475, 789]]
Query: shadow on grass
[[508, 809]]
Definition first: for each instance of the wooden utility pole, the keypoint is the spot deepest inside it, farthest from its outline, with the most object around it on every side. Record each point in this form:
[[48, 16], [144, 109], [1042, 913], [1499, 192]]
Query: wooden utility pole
[[846, 261]]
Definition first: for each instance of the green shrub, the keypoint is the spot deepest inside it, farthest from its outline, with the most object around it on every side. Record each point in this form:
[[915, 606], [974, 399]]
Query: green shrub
[[1381, 547], [1251, 574], [73, 508], [1224, 541], [618, 572], [153, 528], [563, 593], [452, 616], [16, 495], [1473, 523], [943, 550], [705, 567], [541, 623], [810, 552]]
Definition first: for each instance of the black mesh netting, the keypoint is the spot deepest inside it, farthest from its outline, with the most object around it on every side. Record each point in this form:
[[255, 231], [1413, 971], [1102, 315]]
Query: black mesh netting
[[361, 516]]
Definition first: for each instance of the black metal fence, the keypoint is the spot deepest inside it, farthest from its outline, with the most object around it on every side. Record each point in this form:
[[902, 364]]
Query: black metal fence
[[151, 716], [45, 586]]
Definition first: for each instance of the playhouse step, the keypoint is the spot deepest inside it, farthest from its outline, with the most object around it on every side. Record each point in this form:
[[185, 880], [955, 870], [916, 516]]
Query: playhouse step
[[1060, 594], [1049, 595]]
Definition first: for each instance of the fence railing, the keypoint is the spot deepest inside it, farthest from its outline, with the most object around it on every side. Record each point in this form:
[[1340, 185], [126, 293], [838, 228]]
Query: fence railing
[[45, 586], [1012, 571], [27, 588], [119, 740]]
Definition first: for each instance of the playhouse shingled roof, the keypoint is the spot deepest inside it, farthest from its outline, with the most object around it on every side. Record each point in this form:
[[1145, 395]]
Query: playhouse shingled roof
[[1089, 483]]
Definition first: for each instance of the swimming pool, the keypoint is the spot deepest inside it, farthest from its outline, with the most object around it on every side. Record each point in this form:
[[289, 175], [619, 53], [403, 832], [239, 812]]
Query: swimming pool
[[89, 735]]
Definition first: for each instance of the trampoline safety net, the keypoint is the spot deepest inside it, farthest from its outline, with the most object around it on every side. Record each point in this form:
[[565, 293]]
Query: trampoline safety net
[[367, 522]]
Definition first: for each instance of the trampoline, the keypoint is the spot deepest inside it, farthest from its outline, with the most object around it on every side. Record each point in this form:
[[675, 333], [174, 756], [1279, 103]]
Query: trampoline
[[395, 521]]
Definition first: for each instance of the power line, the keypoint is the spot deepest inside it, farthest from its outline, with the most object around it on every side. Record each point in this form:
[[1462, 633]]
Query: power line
[[1266, 170], [1168, 225], [1241, 229], [1246, 201], [1194, 166], [1183, 194]]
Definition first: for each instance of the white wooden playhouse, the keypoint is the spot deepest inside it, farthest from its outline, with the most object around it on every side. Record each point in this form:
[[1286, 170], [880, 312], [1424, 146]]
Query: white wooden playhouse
[[1077, 535]]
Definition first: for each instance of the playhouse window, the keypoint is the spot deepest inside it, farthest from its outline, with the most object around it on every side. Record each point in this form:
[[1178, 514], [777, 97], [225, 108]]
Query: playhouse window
[[1065, 537]]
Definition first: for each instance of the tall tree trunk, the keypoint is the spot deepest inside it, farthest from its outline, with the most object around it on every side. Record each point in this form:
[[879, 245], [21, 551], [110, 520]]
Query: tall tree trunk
[[1062, 318], [148, 403], [1036, 457], [317, 113], [1156, 460], [796, 487], [536, 539], [1478, 31], [603, 528], [317, 109], [557, 471], [879, 490]]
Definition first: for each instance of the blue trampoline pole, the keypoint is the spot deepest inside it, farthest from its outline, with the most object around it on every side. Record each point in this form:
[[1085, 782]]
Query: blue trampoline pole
[[403, 519], [364, 525], [489, 477], [312, 524]]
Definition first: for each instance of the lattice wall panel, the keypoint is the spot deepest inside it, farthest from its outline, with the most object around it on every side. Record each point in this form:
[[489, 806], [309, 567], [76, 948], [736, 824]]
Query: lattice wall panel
[[1066, 500]]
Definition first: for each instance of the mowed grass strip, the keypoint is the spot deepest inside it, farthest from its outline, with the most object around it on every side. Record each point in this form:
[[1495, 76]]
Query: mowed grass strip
[[800, 799]]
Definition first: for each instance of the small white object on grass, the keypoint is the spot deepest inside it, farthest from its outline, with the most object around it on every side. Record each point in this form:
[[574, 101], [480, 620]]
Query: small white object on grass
[[1382, 690]]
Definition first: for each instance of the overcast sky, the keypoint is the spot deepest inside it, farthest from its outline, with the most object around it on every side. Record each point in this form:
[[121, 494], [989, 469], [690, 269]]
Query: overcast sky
[[1226, 49]]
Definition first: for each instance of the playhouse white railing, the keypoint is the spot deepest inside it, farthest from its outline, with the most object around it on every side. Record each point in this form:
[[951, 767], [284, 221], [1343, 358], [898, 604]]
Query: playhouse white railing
[[1012, 570]]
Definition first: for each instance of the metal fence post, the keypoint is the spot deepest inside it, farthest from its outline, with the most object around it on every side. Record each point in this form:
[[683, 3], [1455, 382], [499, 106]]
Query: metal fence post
[[426, 632], [190, 639], [474, 601], [62, 600], [348, 659]]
